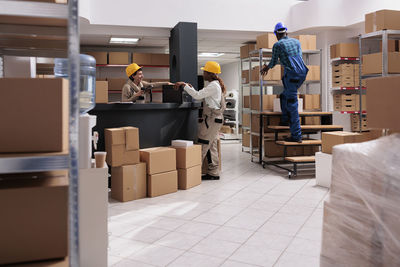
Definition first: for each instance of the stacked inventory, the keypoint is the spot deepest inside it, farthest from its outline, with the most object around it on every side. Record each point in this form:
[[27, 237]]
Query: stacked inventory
[[188, 164]]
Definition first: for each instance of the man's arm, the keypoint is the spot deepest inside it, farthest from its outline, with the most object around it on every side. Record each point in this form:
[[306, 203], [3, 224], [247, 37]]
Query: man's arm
[[274, 59]]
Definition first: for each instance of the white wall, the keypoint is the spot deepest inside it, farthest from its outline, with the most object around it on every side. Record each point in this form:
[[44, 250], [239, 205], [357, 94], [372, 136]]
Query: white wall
[[230, 75]]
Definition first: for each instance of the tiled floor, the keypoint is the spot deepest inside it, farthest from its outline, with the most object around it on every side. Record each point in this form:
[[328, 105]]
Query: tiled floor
[[251, 217]]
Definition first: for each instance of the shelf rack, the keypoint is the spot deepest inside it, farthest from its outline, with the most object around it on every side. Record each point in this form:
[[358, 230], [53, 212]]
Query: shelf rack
[[47, 30]]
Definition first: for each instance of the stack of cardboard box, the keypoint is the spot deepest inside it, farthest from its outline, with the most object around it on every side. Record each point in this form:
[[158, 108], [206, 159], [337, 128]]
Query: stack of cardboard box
[[355, 122], [188, 164], [101, 91], [244, 50], [349, 102]]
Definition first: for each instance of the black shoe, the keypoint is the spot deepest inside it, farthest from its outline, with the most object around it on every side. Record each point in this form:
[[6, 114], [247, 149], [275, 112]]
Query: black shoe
[[209, 177], [291, 139]]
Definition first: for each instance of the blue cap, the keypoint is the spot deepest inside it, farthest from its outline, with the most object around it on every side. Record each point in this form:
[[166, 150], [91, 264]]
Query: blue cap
[[279, 28]]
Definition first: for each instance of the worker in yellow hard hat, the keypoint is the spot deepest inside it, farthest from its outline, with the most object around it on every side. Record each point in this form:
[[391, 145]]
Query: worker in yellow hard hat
[[212, 118], [135, 87]]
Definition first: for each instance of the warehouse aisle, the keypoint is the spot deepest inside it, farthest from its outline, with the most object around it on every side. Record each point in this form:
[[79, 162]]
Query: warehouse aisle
[[251, 217]]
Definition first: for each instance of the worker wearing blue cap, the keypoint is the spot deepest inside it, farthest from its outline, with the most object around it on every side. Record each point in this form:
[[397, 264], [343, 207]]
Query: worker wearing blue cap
[[288, 51]]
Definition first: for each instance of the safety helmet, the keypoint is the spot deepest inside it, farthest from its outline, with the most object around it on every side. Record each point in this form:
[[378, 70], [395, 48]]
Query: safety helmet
[[212, 66], [131, 69], [280, 28]]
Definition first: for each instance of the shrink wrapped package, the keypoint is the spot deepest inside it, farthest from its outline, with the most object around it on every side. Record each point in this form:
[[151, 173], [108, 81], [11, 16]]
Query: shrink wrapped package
[[361, 217]]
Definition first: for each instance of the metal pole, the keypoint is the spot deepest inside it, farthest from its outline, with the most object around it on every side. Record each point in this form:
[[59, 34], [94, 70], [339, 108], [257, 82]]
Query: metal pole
[[360, 80], [260, 141], [73, 74], [384, 53], [251, 110]]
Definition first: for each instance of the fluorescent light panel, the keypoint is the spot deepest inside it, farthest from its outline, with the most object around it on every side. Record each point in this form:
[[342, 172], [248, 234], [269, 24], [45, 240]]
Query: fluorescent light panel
[[119, 40], [211, 54]]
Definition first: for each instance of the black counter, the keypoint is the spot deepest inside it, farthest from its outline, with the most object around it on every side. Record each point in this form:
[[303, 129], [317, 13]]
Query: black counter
[[158, 123]]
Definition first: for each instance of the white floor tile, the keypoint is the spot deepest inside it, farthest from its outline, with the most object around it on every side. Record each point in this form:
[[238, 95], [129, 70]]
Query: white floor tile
[[197, 228], [297, 260], [191, 259], [213, 218], [280, 228], [215, 247], [230, 263], [280, 217], [113, 260], [305, 247], [296, 210], [229, 210], [310, 233], [146, 234], [156, 255], [167, 223], [121, 247], [268, 240], [266, 205], [131, 263], [231, 234], [179, 240], [260, 256]]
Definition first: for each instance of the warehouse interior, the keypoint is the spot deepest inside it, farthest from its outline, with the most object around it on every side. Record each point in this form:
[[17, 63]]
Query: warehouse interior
[[113, 152]]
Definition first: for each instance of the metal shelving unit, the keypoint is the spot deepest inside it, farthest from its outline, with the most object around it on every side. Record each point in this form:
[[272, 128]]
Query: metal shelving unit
[[47, 30]]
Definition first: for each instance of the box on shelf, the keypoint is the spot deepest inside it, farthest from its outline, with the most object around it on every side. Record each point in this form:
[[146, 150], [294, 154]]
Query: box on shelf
[[34, 216], [344, 50], [277, 105], [187, 157], [245, 49], [383, 109], [246, 139], [246, 119], [372, 63], [129, 182], [330, 139], [189, 177], [311, 102], [274, 74], [226, 129], [160, 59], [246, 101], [101, 57], [159, 159], [266, 41], [343, 69], [34, 116], [122, 146], [118, 58], [355, 123], [268, 102], [313, 73], [116, 84], [312, 120], [142, 58], [393, 46], [381, 20], [343, 83], [101, 92], [308, 42], [245, 76], [159, 184]]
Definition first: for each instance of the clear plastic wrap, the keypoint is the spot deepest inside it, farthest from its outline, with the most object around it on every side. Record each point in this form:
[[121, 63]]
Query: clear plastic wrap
[[362, 215]]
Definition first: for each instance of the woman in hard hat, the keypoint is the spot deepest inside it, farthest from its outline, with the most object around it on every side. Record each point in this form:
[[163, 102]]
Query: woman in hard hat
[[135, 86], [212, 119]]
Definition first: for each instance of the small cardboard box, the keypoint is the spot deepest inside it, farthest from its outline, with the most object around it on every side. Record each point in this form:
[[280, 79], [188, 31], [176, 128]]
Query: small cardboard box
[[101, 92], [34, 115], [226, 129], [266, 40], [308, 42], [190, 177], [245, 76], [244, 50], [383, 108], [116, 84], [343, 69], [330, 139], [101, 57], [246, 101], [311, 102], [372, 63], [246, 119], [246, 139], [159, 184], [122, 146], [34, 216], [382, 19], [187, 157], [129, 182], [160, 59], [274, 74], [159, 159], [118, 58], [142, 58], [268, 102], [344, 50], [313, 73]]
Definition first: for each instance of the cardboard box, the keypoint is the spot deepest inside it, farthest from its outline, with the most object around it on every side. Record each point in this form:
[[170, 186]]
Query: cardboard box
[[274, 74], [255, 123], [277, 105], [35, 115], [101, 92], [187, 157], [266, 41], [246, 139], [159, 184], [190, 177], [159, 159], [393, 46], [142, 58], [244, 50], [245, 76], [311, 102], [160, 59], [246, 101], [116, 84], [118, 58], [225, 129], [34, 216], [122, 146], [101, 57], [344, 50], [330, 139], [323, 169], [313, 73], [381, 20], [383, 108], [129, 182], [246, 119], [372, 63], [308, 42], [268, 102], [343, 69], [312, 121]]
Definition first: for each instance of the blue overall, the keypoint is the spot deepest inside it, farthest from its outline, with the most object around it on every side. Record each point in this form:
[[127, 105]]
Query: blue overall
[[292, 80]]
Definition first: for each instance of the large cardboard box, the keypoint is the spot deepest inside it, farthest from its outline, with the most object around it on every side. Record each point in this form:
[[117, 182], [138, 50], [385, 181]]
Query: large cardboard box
[[118, 58], [245, 76], [383, 108], [382, 19], [246, 119], [122, 146], [308, 42], [268, 102], [101, 57], [344, 50], [34, 216], [142, 58], [311, 102], [372, 63], [159, 184], [187, 157], [129, 182], [246, 139], [159, 159], [34, 115], [160, 59], [116, 84], [330, 139], [266, 40], [101, 92], [190, 177], [244, 50], [274, 74], [246, 101], [313, 73]]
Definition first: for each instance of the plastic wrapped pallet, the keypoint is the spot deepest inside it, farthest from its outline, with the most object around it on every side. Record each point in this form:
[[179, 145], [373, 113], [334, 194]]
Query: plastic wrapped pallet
[[361, 216]]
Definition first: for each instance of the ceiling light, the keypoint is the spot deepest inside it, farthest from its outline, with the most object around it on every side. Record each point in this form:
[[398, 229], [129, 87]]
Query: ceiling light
[[211, 54], [118, 40]]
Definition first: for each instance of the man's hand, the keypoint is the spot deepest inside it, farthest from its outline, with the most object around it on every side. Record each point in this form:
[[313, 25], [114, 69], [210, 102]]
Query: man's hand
[[264, 70], [169, 83], [179, 85]]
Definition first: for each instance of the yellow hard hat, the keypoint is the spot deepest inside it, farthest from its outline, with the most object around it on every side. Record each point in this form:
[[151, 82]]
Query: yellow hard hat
[[131, 69], [212, 66]]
